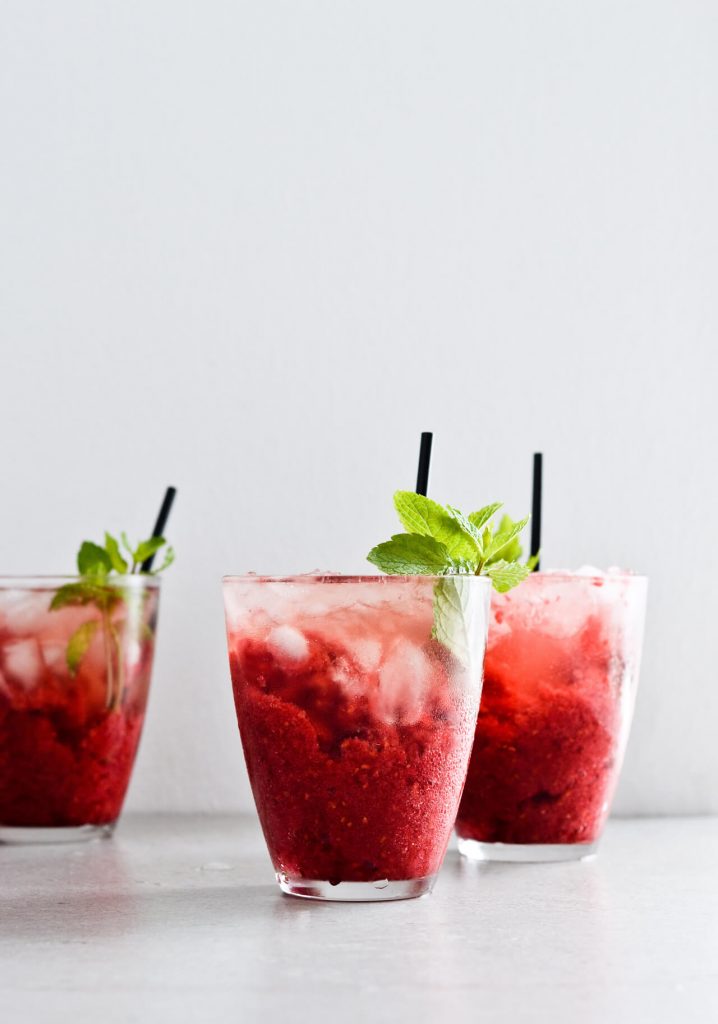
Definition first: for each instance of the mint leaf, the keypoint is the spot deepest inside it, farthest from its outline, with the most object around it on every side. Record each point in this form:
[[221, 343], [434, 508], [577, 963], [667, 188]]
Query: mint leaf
[[533, 561], [92, 560], [168, 560], [417, 513], [511, 552], [146, 548], [113, 550], [455, 603], [481, 518], [423, 517], [505, 575], [486, 538], [78, 644], [72, 594], [408, 554], [468, 528], [502, 538], [83, 593]]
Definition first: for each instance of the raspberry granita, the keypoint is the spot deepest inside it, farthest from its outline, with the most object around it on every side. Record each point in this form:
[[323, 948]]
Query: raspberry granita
[[356, 726], [560, 677], [73, 690]]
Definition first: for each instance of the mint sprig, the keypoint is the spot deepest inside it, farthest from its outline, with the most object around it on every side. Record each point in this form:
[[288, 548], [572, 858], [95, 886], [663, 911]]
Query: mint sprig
[[95, 564], [441, 541]]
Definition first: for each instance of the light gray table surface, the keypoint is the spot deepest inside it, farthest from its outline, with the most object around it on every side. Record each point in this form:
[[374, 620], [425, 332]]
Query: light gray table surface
[[178, 918]]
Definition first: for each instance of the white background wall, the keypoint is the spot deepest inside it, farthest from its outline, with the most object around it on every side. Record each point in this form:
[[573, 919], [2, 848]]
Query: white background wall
[[253, 249]]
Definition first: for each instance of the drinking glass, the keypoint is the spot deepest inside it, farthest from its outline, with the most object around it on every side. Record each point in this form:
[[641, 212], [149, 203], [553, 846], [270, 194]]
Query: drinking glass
[[560, 678], [75, 664], [356, 722]]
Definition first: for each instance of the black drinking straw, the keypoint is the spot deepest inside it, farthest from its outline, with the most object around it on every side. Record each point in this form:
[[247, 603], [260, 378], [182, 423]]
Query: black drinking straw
[[162, 517], [536, 507], [422, 477]]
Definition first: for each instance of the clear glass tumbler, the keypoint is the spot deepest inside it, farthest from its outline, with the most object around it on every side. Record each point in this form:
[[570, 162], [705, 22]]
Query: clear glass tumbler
[[560, 679], [356, 723], [75, 665]]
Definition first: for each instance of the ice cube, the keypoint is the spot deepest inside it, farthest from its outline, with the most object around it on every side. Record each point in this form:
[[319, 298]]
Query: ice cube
[[22, 611], [404, 677], [55, 657], [23, 663], [287, 644], [236, 609], [367, 653], [343, 673]]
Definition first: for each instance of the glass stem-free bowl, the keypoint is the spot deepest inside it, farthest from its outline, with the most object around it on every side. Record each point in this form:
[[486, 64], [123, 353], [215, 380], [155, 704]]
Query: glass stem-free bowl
[[75, 665], [560, 678], [356, 723]]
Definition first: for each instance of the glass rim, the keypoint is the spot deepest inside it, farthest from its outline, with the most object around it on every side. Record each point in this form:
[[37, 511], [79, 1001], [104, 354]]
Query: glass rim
[[325, 577], [308, 577], [39, 581], [592, 577]]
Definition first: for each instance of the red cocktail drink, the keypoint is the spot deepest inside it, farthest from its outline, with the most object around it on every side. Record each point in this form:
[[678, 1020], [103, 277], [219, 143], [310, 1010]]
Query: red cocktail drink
[[560, 677], [73, 690], [356, 725]]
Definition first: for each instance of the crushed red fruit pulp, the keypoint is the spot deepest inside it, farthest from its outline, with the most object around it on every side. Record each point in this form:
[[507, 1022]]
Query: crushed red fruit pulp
[[544, 762], [66, 748], [344, 793], [51, 775]]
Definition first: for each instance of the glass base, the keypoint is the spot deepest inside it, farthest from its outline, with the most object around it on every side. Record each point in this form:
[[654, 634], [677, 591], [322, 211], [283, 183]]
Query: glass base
[[526, 853], [356, 892], [78, 834]]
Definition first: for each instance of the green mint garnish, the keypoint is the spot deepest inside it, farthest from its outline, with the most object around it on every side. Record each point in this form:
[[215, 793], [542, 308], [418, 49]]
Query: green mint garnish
[[86, 592], [408, 554], [95, 564], [453, 616], [441, 541], [93, 560], [79, 643]]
